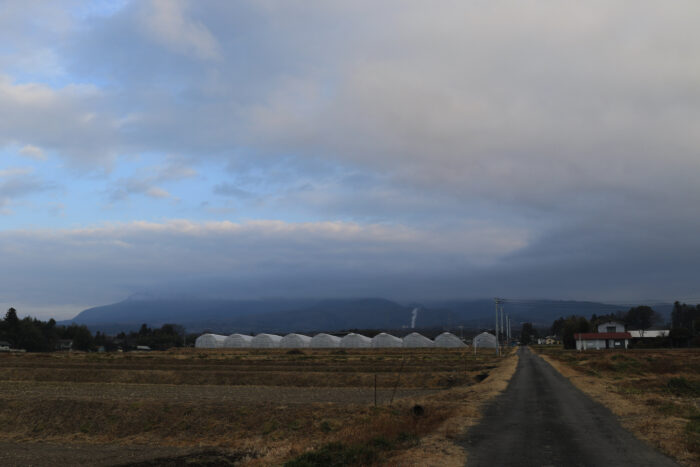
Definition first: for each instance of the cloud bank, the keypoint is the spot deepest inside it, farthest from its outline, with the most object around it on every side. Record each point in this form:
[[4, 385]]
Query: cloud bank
[[545, 149]]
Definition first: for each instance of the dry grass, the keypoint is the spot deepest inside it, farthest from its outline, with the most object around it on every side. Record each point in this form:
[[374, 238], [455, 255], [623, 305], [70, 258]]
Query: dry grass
[[465, 405], [654, 392], [207, 399], [423, 368]]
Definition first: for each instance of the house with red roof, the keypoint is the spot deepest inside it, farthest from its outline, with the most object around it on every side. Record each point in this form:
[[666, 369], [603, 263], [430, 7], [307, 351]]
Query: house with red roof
[[610, 335]]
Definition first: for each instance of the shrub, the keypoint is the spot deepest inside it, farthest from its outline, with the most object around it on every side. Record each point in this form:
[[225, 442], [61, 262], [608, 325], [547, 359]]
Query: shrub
[[325, 426], [335, 455], [682, 387]]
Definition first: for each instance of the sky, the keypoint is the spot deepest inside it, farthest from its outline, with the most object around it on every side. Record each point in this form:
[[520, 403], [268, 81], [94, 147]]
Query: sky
[[403, 149]]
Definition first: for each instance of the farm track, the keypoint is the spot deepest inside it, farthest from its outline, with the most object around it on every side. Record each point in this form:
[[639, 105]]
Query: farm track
[[542, 419]]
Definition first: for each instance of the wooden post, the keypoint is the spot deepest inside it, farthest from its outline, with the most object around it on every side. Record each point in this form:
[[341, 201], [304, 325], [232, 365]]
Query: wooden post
[[375, 389]]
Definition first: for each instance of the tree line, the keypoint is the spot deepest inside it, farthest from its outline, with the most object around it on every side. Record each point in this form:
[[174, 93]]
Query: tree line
[[34, 335], [685, 325]]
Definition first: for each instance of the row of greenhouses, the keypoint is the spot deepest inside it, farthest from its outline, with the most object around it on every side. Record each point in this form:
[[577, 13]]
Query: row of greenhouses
[[321, 341]]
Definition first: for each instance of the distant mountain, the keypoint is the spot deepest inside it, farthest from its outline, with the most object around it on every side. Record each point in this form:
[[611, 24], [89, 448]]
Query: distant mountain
[[194, 314], [282, 315], [246, 315]]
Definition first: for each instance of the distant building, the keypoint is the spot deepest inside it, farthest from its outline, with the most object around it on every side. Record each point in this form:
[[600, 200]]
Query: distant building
[[649, 333], [610, 335], [611, 326], [4, 345], [549, 340], [143, 347], [64, 344]]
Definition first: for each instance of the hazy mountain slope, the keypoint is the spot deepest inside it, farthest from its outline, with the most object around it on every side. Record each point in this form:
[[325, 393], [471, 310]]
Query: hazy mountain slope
[[282, 316]]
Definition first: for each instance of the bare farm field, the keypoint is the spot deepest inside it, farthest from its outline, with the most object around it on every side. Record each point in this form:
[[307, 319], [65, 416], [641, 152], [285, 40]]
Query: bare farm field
[[654, 392], [242, 407]]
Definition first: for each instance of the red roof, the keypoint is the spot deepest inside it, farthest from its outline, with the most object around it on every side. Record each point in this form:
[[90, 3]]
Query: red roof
[[588, 336]]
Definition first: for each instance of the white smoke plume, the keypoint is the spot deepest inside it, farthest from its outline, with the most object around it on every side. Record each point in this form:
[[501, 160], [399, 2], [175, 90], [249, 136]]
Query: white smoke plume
[[414, 315]]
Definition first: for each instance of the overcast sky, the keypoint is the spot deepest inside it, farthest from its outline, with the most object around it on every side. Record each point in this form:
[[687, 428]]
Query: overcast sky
[[404, 149]]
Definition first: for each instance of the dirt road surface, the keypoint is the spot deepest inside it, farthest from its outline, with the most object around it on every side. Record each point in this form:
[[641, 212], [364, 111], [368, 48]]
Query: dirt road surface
[[541, 419]]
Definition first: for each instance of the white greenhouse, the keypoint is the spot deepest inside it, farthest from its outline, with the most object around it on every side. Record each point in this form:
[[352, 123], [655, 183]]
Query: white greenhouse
[[266, 341], [383, 339], [447, 339], [417, 340], [295, 341], [238, 341], [324, 341], [485, 340], [355, 341], [209, 341]]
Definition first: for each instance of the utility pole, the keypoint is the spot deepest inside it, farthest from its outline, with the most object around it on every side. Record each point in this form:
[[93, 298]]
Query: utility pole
[[498, 348], [508, 327], [503, 329], [510, 335]]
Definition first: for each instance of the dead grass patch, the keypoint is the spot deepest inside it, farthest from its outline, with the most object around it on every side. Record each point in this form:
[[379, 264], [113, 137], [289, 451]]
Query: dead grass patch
[[184, 399], [465, 405]]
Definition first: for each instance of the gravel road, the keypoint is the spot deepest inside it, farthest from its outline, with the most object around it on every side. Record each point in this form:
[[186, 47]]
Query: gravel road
[[541, 419]]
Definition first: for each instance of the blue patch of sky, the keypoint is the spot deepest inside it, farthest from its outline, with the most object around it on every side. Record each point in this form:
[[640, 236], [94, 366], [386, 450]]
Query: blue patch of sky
[[92, 8], [71, 198]]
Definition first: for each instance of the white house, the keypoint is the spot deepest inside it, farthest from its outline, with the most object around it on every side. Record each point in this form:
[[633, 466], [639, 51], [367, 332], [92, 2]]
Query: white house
[[611, 326], [649, 333], [610, 335]]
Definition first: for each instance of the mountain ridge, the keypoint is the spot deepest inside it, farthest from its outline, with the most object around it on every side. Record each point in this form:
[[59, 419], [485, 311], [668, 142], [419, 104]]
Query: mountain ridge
[[331, 314]]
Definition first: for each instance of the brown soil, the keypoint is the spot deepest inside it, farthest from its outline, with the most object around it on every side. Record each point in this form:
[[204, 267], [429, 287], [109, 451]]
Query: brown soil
[[270, 404], [26, 391]]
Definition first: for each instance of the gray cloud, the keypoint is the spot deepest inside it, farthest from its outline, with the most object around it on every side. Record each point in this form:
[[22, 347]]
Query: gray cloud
[[518, 104], [68, 120], [557, 99], [148, 180], [619, 261], [228, 189], [257, 258], [17, 183], [575, 123]]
